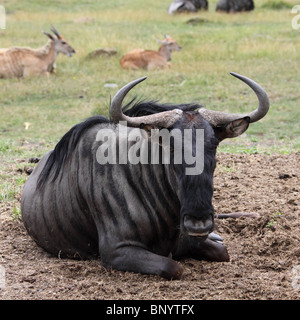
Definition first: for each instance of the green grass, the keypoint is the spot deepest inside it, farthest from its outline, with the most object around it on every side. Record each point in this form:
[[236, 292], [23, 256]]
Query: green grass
[[274, 222], [277, 5], [260, 44]]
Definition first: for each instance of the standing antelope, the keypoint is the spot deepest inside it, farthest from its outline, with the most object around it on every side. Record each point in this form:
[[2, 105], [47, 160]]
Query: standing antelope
[[24, 62], [149, 59]]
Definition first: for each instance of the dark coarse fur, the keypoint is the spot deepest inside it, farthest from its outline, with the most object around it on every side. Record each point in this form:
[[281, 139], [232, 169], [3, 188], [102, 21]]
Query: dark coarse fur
[[65, 147], [68, 142], [235, 5]]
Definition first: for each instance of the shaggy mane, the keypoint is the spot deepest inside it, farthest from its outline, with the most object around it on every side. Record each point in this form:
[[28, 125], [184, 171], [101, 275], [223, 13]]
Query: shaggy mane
[[144, 108], [64, 149]]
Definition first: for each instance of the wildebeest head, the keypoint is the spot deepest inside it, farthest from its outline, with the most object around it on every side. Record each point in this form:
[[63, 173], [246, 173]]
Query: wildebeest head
[[195, 191]]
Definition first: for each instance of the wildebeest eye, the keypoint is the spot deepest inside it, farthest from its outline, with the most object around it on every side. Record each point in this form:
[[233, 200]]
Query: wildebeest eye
[[63, 42]]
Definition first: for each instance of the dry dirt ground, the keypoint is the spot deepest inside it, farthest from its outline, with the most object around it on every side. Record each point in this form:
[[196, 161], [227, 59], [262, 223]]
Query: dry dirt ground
[[264, 251]]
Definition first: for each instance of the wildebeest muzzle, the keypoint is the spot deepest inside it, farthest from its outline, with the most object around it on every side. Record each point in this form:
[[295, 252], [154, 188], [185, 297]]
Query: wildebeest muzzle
[[198, 226]]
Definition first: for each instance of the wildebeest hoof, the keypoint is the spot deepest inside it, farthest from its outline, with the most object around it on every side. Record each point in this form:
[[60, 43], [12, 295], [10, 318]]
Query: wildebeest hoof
[[175, 271], [215, 237], [214, 250]]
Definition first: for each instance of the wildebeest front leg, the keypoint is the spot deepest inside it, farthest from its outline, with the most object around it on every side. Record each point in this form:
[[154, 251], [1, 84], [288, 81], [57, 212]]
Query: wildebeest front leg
[[208, 249], [140, 260]]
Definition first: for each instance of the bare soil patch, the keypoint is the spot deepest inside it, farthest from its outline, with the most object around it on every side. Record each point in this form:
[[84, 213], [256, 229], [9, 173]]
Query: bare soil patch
[[264, 251]]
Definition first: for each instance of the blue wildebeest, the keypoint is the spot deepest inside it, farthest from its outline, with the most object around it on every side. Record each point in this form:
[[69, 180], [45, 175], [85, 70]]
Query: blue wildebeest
[[187, 6], [134, 217], [235, 5]]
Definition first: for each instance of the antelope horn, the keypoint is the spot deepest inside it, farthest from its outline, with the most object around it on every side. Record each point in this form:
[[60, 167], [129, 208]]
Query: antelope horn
[[49, 35], [219, 118], [163, 119], [55, 32], [159, 41]]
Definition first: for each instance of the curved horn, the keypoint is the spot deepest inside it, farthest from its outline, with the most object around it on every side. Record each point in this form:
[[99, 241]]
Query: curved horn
[[55, 32], [218, 118], [163, 119]]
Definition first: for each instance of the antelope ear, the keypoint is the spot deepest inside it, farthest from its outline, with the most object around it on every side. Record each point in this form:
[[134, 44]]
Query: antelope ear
[[232, 129], [49, 35]]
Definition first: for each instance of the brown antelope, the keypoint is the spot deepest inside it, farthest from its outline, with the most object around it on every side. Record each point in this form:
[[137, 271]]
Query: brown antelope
[[24, 62], [149, 59]]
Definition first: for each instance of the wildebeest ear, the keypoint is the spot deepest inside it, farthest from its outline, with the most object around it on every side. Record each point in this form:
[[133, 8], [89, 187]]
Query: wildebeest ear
[[232, 129]]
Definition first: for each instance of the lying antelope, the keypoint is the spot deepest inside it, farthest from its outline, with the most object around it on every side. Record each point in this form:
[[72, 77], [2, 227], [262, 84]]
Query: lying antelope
[[149, 59], [24, 62]]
